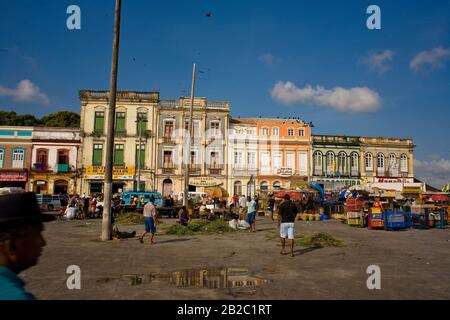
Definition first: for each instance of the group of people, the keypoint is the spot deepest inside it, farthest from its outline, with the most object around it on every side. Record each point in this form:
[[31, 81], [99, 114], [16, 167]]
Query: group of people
[[83, 207]]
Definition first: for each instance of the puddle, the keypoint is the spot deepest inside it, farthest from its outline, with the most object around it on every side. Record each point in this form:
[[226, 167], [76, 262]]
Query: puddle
[[227, 278]]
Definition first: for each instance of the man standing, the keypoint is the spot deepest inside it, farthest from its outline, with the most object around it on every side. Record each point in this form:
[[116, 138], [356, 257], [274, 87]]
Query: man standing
[[21, 242], [287, 212], [85, 206], [149, 220], [251, 214]]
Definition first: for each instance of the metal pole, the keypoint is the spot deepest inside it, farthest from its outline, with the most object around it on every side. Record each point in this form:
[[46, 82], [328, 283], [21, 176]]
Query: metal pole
[[106, 223], [139, 156], [188, 143]]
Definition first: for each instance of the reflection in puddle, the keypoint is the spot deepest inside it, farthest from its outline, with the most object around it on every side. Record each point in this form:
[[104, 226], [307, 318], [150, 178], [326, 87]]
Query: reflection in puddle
[[202, 278]]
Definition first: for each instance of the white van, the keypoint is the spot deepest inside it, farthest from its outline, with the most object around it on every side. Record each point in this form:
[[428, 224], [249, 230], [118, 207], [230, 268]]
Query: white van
[[193, 195], [51, 202]]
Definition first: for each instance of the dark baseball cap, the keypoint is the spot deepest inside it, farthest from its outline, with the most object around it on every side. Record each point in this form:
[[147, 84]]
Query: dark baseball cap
[[21, 208]]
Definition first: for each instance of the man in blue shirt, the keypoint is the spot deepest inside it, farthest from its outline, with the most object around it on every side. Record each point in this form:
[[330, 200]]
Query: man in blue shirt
[[21, 241]]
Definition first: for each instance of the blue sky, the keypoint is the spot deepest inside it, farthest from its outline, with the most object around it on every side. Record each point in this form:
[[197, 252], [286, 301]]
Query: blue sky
[[389, 82]]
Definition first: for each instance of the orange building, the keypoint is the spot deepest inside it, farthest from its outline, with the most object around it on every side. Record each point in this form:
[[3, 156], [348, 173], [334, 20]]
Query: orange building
[[283, 158]]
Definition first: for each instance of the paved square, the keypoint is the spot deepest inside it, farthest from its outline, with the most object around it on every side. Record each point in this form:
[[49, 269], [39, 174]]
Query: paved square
[[415, 264]]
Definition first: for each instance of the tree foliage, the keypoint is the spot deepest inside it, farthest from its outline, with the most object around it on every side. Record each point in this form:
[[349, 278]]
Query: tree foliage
[[61, 119], [58, 119]]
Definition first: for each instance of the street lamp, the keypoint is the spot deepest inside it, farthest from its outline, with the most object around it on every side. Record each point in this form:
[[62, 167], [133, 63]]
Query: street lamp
[[139, 121]]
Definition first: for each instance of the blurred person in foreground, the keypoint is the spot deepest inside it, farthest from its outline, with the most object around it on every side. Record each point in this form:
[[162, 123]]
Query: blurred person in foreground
[[21, 241]]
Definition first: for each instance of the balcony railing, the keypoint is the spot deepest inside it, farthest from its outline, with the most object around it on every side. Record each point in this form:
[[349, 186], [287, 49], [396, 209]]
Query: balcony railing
[[62, 168], [168, 139], [215, 169], [121, 95], [168, 170], [40, 166]]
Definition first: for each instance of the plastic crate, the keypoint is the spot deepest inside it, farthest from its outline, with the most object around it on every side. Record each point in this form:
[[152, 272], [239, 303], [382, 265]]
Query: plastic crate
[[397, 220], [353, 215], [419, 221]]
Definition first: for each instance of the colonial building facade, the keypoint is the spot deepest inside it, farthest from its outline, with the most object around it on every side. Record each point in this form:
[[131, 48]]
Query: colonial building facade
[[54, 160], [134, 145], [283, 157], [208, 148], [336, 161], [15, 156], [242, 157], [387, 160], [340, 161]]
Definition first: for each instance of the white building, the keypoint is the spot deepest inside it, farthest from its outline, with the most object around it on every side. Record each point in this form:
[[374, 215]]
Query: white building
[[54, 160]]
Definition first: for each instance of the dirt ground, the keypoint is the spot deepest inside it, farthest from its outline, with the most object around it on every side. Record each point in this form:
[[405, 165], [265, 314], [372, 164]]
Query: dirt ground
[[415, 264]]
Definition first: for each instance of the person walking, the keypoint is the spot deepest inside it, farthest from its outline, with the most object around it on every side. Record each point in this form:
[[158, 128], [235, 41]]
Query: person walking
[[21, 242], [287, 212], [271, 206], [235, 200], [251, 214], [93, 207], [150, 220]]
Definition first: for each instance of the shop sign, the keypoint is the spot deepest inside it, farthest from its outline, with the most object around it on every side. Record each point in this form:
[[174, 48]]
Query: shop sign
[[393, 180], [412, 190], [41, 183], [285, 172], [119, 173], [205, 182], [13, 176]]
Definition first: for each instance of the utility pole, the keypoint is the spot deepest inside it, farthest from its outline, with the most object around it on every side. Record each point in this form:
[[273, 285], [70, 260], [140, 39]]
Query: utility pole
[[188, 144], [106, 223], [139, 121]]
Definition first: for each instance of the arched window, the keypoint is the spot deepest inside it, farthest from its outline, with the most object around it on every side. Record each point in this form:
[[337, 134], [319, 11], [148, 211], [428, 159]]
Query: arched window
[[330, 159], [369, 162], [238, 188], [392, 165], [330, 162], [404, 163], [277, 184], [380, 161], [318, 159], [342, 162], [354, 161], [264, 186]]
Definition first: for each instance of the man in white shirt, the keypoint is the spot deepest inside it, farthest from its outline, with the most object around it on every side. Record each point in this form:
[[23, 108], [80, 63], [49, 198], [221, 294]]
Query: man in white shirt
[[150, 220]]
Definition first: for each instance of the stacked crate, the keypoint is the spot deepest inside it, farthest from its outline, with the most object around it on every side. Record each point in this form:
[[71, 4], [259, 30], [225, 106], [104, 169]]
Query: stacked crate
[[355, 216]]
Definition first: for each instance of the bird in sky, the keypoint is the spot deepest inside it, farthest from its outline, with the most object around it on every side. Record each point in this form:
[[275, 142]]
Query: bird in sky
[[209, 15]]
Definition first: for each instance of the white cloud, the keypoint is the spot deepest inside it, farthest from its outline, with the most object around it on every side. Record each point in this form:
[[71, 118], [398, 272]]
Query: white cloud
[[26, 91], [379, 62], [268, 59], [357, 99], [434, 172], [432, 59]]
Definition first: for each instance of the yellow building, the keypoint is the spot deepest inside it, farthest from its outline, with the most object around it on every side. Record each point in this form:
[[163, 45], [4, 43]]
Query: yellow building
[[135, 137], [387, 160]]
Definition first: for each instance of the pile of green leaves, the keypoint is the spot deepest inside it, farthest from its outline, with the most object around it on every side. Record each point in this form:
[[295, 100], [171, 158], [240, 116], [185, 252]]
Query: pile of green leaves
[[197, 227], [320, 240]]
